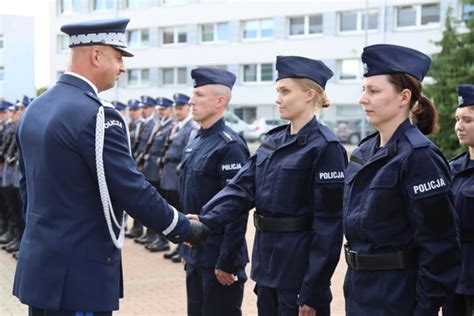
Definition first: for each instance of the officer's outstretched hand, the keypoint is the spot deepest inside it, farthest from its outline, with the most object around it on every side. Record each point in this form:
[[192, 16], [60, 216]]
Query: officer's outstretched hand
[[197, 234]]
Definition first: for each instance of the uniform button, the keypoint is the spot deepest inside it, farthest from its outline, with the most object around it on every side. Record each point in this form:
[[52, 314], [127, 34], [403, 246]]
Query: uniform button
[[109, 259]]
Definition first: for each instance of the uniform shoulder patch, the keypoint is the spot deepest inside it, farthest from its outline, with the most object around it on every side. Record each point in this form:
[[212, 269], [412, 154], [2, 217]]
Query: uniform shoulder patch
[[416, 138], [428, 186], [94, 97], [227, 136], [330, 176]]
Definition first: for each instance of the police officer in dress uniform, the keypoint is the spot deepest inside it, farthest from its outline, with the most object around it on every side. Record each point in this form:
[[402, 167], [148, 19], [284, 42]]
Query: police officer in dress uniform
[[295, 181], [215, 274], [170, 162], [78, 176], [462, 171], [121, 107], [403, 249]]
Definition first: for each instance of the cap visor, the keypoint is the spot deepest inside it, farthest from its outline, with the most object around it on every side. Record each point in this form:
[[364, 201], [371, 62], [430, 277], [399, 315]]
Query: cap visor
[[125, 52]]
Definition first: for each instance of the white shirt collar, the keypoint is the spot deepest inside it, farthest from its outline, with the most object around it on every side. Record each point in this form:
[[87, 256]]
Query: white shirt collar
[[183, 122], [148, 119], [165, 120], [84, 79]]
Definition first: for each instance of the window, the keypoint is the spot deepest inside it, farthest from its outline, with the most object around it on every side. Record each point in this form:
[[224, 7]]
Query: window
[[70, 6], [356, 21], [174, 2], [174, 35], [257, 29], [217, 32], [306, 25], [248, 114], [2, 74], [467, 12], [257, 72], [102, 5], [138, 77], [138, 38], [350, 70], [173, 76], [63, 43], [1, 41], [139, 4], [418, 15]]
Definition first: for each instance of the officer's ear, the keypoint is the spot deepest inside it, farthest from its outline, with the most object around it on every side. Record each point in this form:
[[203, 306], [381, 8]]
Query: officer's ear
[[310, 95], [405, 97], [94, 56]]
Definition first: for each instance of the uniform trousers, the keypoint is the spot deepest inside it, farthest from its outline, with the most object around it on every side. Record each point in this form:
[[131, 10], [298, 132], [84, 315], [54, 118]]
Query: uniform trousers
[[207, 297], [459, 305], [281, 302], [33, 311]]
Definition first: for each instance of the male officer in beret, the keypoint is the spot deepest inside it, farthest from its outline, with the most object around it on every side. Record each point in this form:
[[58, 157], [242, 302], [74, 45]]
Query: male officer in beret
[[215, 274], [78, 177]]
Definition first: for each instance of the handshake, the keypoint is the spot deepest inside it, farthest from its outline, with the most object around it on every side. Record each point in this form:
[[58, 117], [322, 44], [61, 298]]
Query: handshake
[[198, 232]]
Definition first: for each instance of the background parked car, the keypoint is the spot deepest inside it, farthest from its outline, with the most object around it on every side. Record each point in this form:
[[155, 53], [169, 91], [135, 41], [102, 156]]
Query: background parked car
[[350, 131], [235, 122], [259, 127]]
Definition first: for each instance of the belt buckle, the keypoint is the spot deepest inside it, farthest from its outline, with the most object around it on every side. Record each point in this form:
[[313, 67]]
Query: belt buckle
[[351, 257]]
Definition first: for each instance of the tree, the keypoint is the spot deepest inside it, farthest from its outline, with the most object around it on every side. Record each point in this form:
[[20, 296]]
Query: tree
[[40, 90], [451, 67]]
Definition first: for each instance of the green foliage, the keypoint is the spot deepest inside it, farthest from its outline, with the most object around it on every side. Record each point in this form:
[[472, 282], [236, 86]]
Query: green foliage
[[451, 67], [40, 90]]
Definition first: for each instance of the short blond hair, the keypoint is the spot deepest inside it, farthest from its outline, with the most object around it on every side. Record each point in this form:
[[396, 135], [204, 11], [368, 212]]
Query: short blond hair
[[321, 100]]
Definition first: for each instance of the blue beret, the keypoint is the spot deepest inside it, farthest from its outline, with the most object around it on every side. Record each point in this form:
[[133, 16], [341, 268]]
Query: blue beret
[[147, 101], [301, 67], [119, 105], [384, 59], [164, 102], [133, 104], [466, 95], [205, 76], [180, 98], [99, 32], [5, 105]]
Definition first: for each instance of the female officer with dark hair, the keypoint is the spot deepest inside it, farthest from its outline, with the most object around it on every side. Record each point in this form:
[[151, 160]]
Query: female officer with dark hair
[[403, 249], [295, 182], [462, 171]]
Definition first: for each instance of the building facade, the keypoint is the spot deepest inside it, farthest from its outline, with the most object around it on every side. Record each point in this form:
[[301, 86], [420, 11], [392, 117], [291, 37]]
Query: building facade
[[17, 77], [171, 37]]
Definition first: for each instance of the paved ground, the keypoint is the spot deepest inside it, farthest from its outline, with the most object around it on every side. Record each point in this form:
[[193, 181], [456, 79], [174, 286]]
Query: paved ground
[[153, 286]]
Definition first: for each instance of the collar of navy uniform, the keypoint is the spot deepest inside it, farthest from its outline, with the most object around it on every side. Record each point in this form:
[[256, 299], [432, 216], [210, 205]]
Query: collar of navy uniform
[[94, 88], [216, 127], [461, 164], [181, 124], [148, 119], [302, 136], [391, 146]]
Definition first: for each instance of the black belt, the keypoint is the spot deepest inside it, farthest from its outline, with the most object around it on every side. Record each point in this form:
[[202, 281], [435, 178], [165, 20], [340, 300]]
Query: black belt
[[467, 235], [380, 261], [295, 224]]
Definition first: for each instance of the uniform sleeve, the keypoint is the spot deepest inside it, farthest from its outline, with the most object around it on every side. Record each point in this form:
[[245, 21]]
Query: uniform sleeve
[[237, 198], [23, 192], [430, 207], [233, 158], [127, 187], [328, 185]]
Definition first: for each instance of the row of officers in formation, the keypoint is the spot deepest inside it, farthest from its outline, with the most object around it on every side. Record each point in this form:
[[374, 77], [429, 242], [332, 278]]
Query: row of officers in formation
[[405, 211]]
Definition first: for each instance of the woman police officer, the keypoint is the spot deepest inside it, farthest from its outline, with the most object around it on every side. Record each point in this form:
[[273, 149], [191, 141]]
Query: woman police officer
[[295, 182], [403, 249], [462, 171]]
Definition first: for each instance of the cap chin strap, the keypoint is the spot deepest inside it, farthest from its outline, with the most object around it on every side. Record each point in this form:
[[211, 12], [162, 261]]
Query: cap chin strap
[[103, 189]]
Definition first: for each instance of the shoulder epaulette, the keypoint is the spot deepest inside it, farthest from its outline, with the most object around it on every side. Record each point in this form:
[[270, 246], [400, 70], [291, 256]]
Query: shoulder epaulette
[[328, 135], [368, 137], [94, 97], [228, 137], [416, 138], [461, 155], [277, 129]]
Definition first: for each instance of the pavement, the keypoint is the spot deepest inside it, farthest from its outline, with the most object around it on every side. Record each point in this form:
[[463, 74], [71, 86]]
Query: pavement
[[153, 285]]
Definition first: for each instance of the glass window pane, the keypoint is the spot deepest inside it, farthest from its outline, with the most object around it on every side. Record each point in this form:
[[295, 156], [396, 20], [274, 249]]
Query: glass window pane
[[168, 75], [174, 2], [348, 21], [133, 77], [430, 13], [139, 3], [2, 74], [406, 16], [467, 12], [182, 75], [315, 24], [145, 35], [1, 41], [349, 69], [145, 79], [133, 39], [250, 29], [168, 35], [77, 4], [372, 22], [250, 73], [63, 43], [266, 72], [266, 28], [182, 34], [104, 4], [207, 32], [297, 26], [223, 31]]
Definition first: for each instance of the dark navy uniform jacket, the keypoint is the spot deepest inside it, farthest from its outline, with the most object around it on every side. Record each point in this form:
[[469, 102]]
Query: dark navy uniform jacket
[[462, 170], [10, 156], [397, 198], [179, 140], [144, 136], [291, 177], [210, 161], [67, 258], [151, 170]]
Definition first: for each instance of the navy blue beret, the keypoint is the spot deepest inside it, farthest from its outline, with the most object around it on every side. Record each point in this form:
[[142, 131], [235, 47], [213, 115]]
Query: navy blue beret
[[147, 101], [164, 102], [99, 32], [134, 104], [119, 105], [180, 98], [391, 59], [5, 105], [205, 76], [302, 67], [466, 95]]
